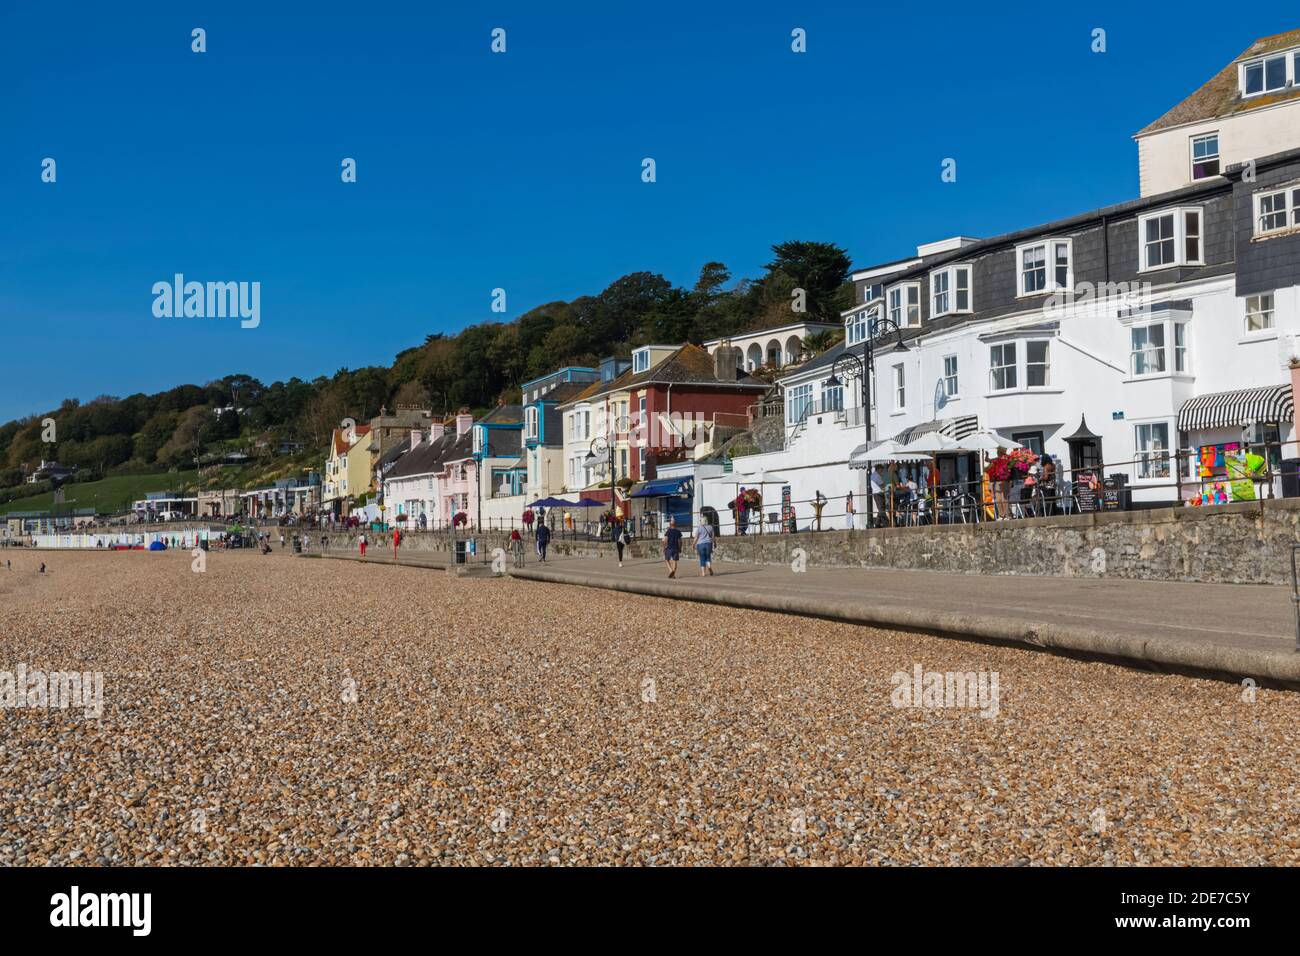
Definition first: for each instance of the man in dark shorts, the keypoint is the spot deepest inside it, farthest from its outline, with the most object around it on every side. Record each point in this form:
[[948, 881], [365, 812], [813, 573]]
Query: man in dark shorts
[[543, 539], [672, 547]]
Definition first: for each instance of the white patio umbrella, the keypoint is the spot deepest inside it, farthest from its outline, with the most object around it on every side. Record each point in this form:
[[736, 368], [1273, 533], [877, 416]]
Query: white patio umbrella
[[986, 440], [933, 442], [862, 457]]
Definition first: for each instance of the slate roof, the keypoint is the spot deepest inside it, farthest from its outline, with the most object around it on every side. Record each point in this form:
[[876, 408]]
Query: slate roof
[[689, 365], [429, 457], [1221, 96], [504, 415]]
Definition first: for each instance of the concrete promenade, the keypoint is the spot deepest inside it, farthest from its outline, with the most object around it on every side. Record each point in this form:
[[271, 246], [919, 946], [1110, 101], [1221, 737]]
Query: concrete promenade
[[1232, 630], [1224, 629]]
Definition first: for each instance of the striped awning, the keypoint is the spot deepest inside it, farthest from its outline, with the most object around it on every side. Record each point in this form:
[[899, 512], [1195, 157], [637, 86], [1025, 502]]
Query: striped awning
[[1245, 406], [957, 428]]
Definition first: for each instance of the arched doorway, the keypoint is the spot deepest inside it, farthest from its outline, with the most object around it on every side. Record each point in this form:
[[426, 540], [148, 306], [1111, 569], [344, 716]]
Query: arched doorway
[[793, 349]]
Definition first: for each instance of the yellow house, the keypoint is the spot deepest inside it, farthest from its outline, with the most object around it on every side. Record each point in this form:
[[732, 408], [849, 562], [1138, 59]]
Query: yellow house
[[348, 470]]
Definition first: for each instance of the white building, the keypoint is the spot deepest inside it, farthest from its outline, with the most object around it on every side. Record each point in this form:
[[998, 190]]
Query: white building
[[1251, 108], [776, 347], [1107, 339]]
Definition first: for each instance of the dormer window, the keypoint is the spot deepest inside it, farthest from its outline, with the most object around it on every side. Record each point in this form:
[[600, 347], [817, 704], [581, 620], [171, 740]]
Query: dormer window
[[478, 440], [1277, 210], [905, 304], [950, 290], [855, 328], [530, 423], [640, 360], [1170, 238], [872, 292], [1268, 74], [1045, 267]]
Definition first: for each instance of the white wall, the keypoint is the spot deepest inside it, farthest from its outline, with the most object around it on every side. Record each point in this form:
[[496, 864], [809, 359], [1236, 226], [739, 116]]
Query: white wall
[[1164, 158]]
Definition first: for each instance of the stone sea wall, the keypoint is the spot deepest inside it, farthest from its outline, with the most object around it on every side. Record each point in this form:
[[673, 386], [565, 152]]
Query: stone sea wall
[[1244, 543]]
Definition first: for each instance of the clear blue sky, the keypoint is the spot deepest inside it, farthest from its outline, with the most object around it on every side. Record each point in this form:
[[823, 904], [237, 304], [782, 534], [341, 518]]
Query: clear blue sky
[[521, 170]]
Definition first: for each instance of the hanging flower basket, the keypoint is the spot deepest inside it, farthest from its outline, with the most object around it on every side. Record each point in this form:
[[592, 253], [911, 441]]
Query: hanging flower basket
[[1014, 464], [459, 519]]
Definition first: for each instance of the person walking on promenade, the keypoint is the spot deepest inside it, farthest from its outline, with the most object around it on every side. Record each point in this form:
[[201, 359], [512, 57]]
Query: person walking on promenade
[[362, 541], [704, 546], [281, 540], [672, 547], [621, 540], [543, 539], [517, 547]]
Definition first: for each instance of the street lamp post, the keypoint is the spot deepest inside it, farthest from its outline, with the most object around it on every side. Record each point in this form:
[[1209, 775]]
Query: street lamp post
[[599, 446], [865, 368]]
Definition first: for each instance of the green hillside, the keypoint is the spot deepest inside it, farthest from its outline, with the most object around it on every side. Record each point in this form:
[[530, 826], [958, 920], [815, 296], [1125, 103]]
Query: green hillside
[[107, 495]]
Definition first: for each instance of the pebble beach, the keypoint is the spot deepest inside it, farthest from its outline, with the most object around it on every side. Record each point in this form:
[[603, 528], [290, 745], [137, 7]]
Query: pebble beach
[[294, 711]]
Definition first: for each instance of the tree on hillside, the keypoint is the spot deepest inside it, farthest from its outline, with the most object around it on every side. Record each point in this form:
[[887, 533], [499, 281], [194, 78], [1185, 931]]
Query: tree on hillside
[[819, 268]]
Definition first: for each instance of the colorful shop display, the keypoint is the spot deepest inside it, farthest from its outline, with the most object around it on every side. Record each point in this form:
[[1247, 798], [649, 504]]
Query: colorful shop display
[[1228, 472]]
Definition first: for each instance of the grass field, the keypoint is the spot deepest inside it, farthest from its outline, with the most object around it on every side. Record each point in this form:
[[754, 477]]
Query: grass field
[[111, 494]]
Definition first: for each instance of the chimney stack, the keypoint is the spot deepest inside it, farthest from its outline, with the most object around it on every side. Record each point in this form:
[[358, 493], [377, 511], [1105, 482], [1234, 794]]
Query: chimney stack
[[464, 421], [416, 437], [436, 431]]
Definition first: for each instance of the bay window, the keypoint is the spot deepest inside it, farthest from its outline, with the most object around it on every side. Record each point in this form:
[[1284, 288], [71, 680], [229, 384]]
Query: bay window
[[855, 328], [1002, 366], [1038, 365], [530, 423], [1147, 349], [1170, 238]]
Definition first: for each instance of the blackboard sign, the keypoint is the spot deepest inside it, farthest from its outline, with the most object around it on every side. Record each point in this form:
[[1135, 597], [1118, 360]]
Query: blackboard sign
[[1086, 497], [1112, 499]]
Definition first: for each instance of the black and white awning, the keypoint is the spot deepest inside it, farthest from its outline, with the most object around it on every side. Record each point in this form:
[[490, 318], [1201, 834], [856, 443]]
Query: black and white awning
[[1245, 406], [957, 428]]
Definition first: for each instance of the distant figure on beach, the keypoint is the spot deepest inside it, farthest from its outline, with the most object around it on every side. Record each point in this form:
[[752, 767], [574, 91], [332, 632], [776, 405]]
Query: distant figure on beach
[[704, 546], [42, 571], [543, 539], [672, 547], [281, 540], [362, 542]]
